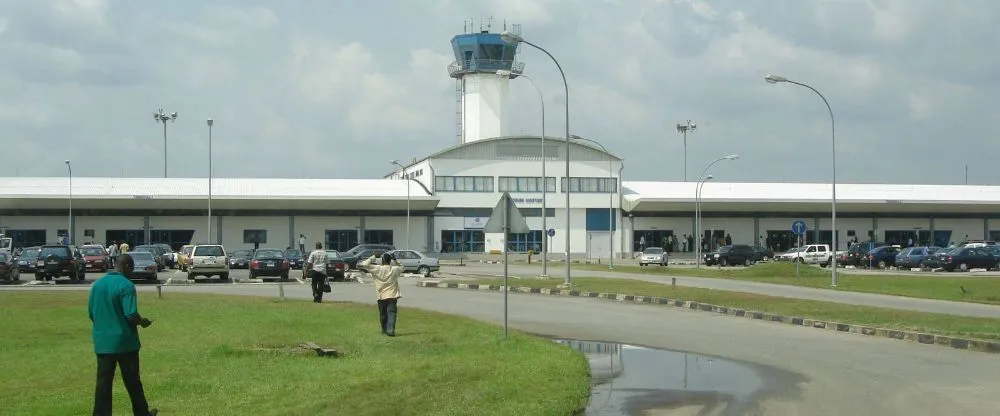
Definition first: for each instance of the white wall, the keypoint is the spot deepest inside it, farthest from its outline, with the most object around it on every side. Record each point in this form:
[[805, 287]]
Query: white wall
[[485, 106], [959, 228], [314, 228], [276, 227], [418, 230]]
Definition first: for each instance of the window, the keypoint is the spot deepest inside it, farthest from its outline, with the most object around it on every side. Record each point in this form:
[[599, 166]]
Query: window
[[254, 236], [591, 185], [378, 237], [340, 240], [463, 241], [463, 184], [26, 238], [525, 184], [208, 251], [88, 233], [522, 242]]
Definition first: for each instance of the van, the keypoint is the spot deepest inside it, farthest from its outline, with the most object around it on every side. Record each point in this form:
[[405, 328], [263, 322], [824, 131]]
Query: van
[[208, 260]]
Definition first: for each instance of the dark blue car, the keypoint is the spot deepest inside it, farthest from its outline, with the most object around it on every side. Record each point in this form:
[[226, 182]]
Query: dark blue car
[[914, 256], [881, 257]]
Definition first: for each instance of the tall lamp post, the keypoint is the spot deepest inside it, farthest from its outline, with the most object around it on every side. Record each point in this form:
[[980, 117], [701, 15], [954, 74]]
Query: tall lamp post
[[402, 176], [684, 129], [162, 117], [697, 216], [210, 122], [545, 179], [513, 38], [69, 225], [774, 79], [611, 199], [697, 209]]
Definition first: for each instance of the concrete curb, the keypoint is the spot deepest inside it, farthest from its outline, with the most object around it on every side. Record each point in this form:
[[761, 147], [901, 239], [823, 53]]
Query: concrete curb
[[922, 338]]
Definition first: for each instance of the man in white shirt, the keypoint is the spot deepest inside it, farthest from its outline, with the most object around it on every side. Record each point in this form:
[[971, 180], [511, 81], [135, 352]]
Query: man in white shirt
[[302, 243], [316, 265], [386, 277]]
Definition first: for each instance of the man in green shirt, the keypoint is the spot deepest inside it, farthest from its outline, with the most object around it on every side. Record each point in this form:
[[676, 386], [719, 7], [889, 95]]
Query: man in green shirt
[[115, 316]]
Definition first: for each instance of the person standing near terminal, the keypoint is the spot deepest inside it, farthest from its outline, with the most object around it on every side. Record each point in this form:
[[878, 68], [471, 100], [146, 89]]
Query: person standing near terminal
[[302, 243], [123, 248], [316, 264], [113, 310], [386, 276], [113, 253]]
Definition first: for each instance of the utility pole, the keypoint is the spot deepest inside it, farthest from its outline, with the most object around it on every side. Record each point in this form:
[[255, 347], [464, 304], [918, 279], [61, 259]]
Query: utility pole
[[162, 117], [684, 129]]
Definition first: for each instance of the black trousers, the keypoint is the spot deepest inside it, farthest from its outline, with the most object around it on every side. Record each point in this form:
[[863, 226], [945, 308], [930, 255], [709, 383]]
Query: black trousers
[[302, 248], [318, 281], [387, 315], [129, 364]]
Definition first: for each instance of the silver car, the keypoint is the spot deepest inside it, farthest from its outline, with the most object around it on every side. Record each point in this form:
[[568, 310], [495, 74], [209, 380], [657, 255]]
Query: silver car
[[417, 262], [653, 255]]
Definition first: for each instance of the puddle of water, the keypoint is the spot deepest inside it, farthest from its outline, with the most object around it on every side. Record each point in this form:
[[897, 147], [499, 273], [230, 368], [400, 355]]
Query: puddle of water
[[632, 380]]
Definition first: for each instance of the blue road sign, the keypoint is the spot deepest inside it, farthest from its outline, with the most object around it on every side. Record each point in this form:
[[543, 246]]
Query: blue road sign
[[799, 227], [551, 232]]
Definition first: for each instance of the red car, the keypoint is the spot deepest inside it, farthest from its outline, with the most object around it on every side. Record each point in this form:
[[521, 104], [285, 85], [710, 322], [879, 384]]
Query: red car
[[95, 258]]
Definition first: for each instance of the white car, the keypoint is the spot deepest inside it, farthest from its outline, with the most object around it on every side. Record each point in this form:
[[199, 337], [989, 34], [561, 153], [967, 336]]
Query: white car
[[416, 262], [208, 260], [653, 255]]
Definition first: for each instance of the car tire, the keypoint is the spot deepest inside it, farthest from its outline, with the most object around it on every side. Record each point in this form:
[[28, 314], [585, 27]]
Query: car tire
[[723, 262], [747, 262], [284, 277], [963, 267], [882, 264], [191, 276], [424, 271], [224, 276]]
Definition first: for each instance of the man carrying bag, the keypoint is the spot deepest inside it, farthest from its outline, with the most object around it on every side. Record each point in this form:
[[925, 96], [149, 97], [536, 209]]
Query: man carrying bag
[[316, 265]]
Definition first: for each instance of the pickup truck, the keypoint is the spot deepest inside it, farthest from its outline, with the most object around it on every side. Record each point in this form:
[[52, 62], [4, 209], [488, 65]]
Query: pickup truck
[[812, 254]]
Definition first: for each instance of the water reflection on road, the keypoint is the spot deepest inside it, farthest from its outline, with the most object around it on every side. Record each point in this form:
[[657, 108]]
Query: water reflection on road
[[632, 380]]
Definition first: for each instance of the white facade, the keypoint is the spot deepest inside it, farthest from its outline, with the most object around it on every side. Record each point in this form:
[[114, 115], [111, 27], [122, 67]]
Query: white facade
[[485, 106]]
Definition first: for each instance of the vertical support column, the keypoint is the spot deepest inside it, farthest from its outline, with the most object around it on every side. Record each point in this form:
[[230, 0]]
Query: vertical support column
[[145, 229], [429, 247], [72, 231], [756, 231], [874, 228], [361, 230], [932, 240], [816, 231], [291, 231], [986, 228], [218, 228]]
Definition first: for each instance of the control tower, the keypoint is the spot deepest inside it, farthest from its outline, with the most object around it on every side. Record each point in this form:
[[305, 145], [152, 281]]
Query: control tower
[[482, 95]]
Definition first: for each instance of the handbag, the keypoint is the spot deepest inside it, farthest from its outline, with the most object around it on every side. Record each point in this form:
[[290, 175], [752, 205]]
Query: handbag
[[327, 288]]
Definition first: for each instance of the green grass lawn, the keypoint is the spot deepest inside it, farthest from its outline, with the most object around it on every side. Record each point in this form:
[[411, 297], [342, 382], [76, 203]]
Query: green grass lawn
[[941, 324], [984, 289], [204, 355]]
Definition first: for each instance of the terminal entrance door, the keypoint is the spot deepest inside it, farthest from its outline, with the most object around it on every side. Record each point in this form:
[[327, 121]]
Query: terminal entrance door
[[340, 240], [26, 238], [714, 238], [781, 241], [175, 238], [132, 237], [463, 241]]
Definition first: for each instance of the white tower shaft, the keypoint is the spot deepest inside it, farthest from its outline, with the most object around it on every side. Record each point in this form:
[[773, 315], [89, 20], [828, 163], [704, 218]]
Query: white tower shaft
[[485, 106]]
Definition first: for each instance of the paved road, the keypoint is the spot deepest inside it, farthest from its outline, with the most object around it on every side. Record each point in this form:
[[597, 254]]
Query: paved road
[[828, 295], [837, 373]]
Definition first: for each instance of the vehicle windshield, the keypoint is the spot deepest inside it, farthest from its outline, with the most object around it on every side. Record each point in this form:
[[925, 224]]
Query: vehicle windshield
[[141, 256], [3, 257], [269, 254], [332, 255], [293, 253], [209, 251], [724, 249], [60, 252], [92, 251], [29, 254], [241, 254], [653, 250]]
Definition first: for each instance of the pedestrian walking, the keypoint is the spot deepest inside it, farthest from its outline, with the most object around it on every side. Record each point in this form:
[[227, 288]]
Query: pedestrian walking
[[113, 253], [114, 312], [386, 276], [302, 243], [316, 265]]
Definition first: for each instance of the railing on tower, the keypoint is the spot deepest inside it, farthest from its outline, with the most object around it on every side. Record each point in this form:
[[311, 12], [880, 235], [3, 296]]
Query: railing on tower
[[459, 68]]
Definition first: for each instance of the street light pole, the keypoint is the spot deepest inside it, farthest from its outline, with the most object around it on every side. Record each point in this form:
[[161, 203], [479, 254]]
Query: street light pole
[[684, 129], [697, 208], [513, 38], [162, 117], [402, 176], [69, 225], [697, 217], [545, 179], [774, 79], [611, 198], [210, 122]]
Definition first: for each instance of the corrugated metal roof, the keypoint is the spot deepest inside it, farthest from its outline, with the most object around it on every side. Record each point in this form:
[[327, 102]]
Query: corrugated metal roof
[[222, 188], [812, 192]]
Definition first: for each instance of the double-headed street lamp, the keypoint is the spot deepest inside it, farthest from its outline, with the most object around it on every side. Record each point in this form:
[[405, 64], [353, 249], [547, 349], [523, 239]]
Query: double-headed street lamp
[[684, 129], [545, 180], [163, 117], [514, 38], [697, 202], [402, 176], [774, 79], [69, 229], [209, 122], [611, 200]]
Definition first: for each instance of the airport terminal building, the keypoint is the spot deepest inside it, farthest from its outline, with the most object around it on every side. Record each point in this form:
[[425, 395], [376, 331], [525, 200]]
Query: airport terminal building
[[441, 202]]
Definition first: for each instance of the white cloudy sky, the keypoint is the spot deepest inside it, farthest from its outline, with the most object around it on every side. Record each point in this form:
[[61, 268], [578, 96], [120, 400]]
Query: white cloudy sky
[[337, 88]]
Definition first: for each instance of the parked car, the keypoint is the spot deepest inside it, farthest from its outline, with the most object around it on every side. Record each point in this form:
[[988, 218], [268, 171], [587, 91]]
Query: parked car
[[295, 258], [653, 255], [26, 261], [240, 259], [857, 252], [336, 267], [269, 262], [363, 251], [208, 260], [55, 261], [881, 257], [730, 255], [95, 258], [145, 266], [10, 270], [416, 262], [912, 257], [157, 254], [761, 253], [963, 259], [169, 257]]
